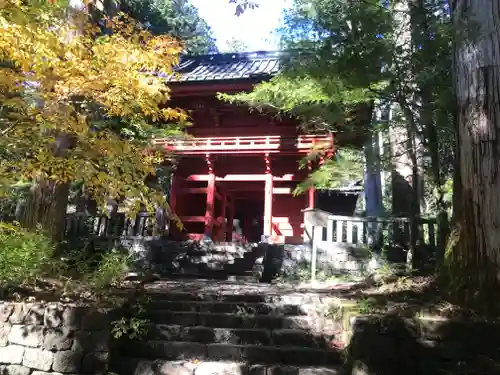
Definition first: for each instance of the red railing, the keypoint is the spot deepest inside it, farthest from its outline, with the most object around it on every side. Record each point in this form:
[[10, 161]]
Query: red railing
[[221, 145]]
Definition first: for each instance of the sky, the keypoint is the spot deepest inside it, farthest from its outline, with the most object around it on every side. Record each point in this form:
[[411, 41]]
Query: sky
[[255, 27]]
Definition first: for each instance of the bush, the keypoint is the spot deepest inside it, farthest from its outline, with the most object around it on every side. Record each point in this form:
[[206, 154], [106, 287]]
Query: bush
[[23, 254], [111, 269]]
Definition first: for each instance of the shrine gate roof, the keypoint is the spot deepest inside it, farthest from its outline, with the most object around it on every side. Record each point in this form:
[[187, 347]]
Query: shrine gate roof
[[227, 67]]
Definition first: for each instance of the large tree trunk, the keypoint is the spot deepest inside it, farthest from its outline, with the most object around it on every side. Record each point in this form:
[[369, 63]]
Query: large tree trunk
[[473, 254], [46, 208], [48, 199]]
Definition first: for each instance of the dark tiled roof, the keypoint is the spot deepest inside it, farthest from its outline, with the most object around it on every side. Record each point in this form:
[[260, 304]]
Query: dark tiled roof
[[227, 66]]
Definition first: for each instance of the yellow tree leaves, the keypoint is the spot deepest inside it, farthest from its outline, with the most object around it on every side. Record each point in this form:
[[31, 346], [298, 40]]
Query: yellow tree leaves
[[99, 93]]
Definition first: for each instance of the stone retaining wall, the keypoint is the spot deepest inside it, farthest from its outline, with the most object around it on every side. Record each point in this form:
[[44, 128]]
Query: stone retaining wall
[[393, 345], [40, 339]]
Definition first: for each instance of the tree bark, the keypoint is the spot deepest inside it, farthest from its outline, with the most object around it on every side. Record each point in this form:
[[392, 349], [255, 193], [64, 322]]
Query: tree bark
[[46, 208], [473, 254]]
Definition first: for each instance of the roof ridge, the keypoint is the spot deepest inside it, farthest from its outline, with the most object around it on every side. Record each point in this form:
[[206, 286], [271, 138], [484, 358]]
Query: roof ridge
[[251, 55]]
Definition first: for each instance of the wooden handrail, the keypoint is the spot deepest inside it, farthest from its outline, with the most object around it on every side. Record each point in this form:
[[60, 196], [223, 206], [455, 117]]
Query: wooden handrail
[[274, 142]]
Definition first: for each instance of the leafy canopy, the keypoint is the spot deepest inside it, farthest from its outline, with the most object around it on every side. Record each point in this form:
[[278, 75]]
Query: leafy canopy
[[177, 18], [65, 91]]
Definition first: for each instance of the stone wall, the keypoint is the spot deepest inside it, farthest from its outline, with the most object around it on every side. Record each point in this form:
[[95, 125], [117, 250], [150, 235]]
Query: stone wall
[[334, 258], [40, 339], [393, 345]]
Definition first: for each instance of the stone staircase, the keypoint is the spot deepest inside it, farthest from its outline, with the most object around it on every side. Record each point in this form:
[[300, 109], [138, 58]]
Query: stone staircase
[[201, 327], [198, 259]]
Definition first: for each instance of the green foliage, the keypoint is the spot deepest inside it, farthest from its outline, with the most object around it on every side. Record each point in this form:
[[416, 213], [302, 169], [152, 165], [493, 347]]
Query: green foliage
[[344, 53], [24, 255], [177, 18], [96, 267], [322, 104], [133, 328], [335, 173], [77, 105], [133, 325], [111, 270]]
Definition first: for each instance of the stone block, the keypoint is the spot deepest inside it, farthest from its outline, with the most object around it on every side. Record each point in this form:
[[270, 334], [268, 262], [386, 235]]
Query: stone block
[[54, 316], [68, 361], [18, 313], [94, 320], [95, 362], [91, 341], [58, 339], [4, 334], [38, 359], [35, 314], [26, 335], [291, 370], [141, 368], [255, 370], [219, 368], [45, 373], [16, 370], [12, 354], [295, 337], [6, 310], [224, 352], [183, 350], [174, 368], [72, 316]]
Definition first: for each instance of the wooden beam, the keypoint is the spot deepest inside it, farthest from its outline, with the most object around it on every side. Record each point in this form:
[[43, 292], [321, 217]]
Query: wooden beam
[[246, 189], [196, 219], [192, 219], [201, 190], [242, 177]]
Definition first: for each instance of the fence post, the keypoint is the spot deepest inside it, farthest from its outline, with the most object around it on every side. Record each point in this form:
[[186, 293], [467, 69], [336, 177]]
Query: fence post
[[314, 254]]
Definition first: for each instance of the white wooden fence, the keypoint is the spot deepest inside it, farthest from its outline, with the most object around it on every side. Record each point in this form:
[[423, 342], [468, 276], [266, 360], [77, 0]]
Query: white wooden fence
[[323, 230]]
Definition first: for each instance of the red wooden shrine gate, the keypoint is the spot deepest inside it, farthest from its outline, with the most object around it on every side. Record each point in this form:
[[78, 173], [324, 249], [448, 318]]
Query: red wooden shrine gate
[[237, 170]]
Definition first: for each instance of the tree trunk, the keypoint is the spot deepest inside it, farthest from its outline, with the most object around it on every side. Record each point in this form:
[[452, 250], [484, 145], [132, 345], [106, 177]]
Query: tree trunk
[[473, 254], [46, 208]]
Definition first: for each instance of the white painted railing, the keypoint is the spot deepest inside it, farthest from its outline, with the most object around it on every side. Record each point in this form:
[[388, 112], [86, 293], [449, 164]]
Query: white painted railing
[[323, 230]]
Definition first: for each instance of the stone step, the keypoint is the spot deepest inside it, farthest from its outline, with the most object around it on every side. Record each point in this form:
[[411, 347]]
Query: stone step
[[212, 275], [225, 320], [226, 307], [142, 367], [178, 350], [249, 293], [206, 335]]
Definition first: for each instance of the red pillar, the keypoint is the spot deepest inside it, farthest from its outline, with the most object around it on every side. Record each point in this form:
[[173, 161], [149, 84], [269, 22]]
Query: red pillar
[[209, 212], [268, 200], [311, 192], [230, 220], [174, 230], [173, 192]]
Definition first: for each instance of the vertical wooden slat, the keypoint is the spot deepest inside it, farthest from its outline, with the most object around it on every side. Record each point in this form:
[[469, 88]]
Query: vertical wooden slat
[[340, 234], [329, 231], [349, 232], [317, 234], [361, 234]]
